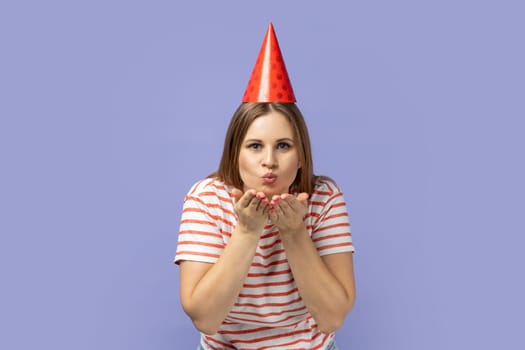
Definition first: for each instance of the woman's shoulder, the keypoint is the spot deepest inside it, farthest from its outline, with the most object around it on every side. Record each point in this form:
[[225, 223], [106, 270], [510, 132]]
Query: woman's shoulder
[[326, 186], [207, 186], [326, 191]]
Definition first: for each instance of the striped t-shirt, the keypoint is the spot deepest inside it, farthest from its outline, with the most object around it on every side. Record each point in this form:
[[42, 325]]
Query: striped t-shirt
[[269, 312]]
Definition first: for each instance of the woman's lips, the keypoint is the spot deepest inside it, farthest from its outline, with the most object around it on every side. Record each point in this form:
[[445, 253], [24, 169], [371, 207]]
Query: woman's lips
[[269, 179]]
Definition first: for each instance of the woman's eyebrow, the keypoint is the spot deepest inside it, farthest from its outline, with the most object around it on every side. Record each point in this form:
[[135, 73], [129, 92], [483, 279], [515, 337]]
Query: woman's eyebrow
[[285, 139], [278, 140]]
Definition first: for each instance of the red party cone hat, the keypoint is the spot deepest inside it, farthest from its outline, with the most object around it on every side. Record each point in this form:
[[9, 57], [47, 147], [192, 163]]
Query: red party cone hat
[[269, 81]]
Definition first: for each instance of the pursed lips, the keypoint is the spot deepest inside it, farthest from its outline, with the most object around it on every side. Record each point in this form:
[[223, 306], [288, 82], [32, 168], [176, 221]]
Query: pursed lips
[[269, 178]]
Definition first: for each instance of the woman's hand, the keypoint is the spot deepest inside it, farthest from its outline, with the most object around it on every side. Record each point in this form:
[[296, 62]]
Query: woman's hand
[[251, 209], [288, 211]]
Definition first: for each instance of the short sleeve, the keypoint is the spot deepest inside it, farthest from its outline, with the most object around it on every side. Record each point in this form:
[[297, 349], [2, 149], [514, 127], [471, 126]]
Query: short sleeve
[[200, 237], [331, 230]]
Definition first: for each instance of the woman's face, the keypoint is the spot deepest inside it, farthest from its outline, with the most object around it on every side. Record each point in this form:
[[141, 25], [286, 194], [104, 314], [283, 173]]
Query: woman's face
[[269, 159]]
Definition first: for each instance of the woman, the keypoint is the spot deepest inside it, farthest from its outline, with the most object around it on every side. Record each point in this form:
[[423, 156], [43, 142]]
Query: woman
[[265, 249]]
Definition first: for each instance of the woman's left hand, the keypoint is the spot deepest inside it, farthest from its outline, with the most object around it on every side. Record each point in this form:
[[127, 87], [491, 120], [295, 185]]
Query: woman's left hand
[[287, 211]]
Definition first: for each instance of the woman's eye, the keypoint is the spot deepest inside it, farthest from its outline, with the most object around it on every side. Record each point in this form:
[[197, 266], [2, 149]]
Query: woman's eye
[[283, 145], [254, 146]]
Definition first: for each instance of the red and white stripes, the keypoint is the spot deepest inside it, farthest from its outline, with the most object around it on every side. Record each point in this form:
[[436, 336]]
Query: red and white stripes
[[269, 312]]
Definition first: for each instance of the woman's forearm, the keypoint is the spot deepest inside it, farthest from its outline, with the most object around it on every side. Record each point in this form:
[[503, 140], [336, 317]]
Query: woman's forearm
[[327, 300], [216, 292]]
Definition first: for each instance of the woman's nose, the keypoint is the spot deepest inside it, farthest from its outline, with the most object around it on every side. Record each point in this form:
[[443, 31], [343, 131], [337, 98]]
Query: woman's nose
[[269, 160]]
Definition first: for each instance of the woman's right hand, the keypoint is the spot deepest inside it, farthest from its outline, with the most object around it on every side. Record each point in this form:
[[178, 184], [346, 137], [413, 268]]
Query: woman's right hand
[[251, 208]]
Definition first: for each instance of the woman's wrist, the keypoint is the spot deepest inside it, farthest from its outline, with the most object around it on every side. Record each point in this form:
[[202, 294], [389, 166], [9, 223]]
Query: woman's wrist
[[292, 233], [247, 232]]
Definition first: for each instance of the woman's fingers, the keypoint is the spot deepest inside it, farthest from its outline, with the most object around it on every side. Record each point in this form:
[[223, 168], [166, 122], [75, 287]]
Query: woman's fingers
[[273, 215], [255, 203], [265, 208], [275, 200], [303, 198], [287, 203], [251, 199], [285, 209], [258, 200], [247, 198], [262, 197], [237, 194]]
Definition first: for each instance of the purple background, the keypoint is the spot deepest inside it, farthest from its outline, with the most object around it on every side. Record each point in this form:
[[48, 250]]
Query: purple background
[[111, 110]]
